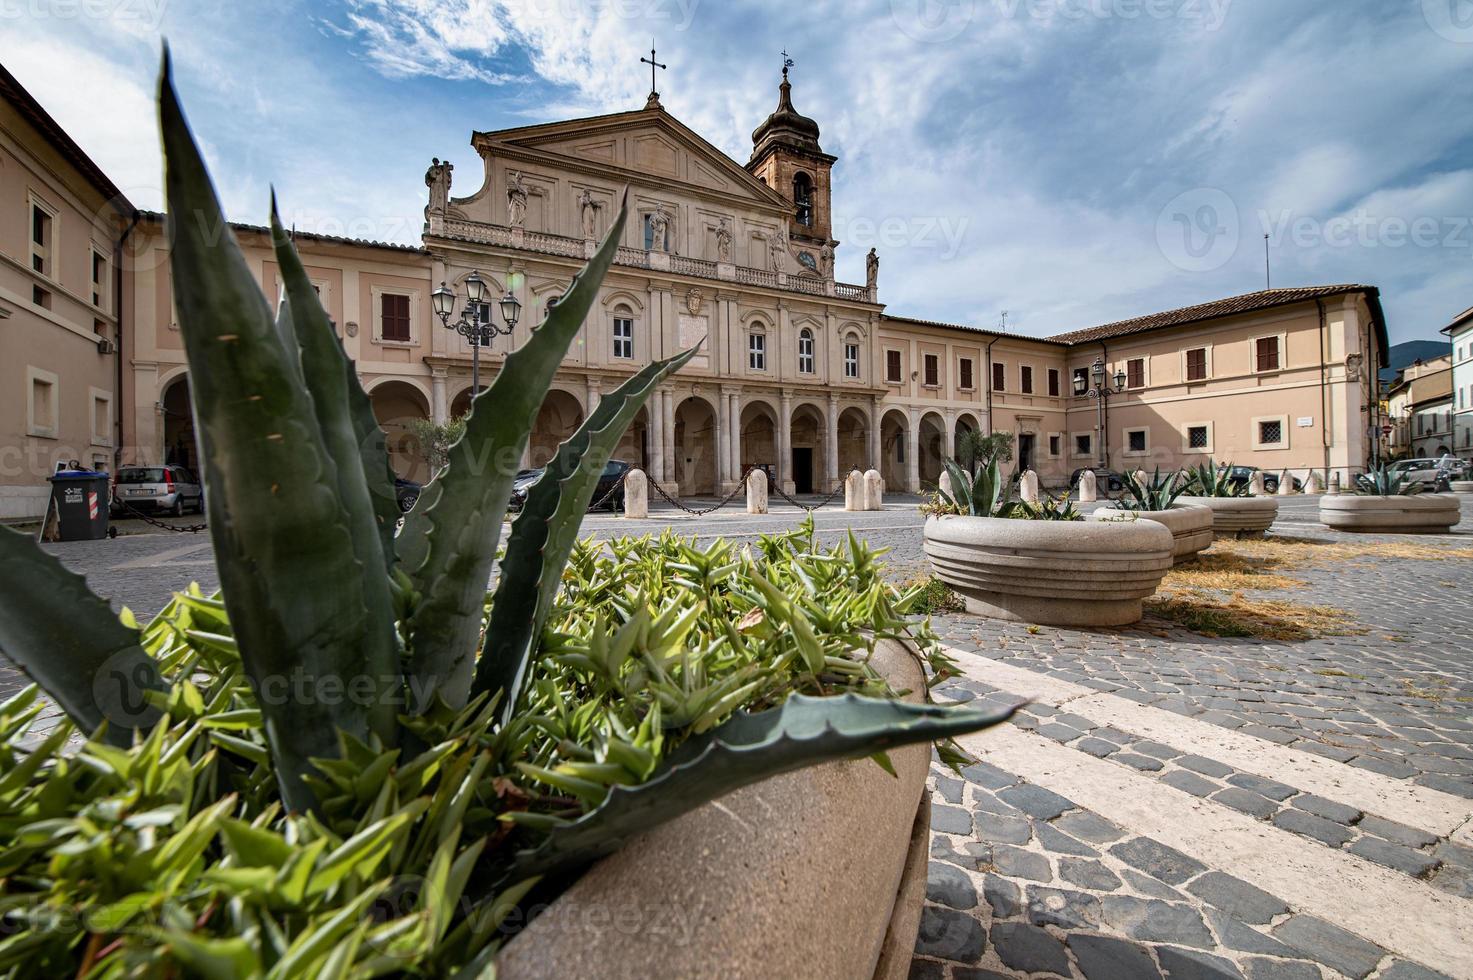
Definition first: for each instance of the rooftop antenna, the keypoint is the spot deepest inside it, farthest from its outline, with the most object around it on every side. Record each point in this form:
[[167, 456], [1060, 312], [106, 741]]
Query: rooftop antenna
[[1002, 326], [1268, 278]]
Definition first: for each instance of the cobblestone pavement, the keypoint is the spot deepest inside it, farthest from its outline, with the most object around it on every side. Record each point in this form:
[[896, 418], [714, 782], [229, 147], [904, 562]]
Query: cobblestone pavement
[[1170, 805]]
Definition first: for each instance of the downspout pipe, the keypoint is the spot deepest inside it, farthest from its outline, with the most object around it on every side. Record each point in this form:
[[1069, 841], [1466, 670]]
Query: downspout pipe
[[1325, 440], [119, 313], [1104, 395], [987, 381]]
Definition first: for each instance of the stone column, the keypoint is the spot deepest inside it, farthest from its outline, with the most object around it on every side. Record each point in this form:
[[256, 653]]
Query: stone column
[[875, 448], [913, 454], [785, 443], [439, 407], [734, 412], [723, 444], [831, 446], [592, 387], [656, 430], [667, 414], [948, 439]]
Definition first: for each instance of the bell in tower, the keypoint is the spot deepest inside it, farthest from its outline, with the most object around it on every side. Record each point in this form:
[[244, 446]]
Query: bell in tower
[[787, 157]]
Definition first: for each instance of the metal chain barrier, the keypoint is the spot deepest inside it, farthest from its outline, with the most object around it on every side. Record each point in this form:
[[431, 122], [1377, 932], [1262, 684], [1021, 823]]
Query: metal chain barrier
[[180, 528], [740, 487], [778, 489], [618, 485]]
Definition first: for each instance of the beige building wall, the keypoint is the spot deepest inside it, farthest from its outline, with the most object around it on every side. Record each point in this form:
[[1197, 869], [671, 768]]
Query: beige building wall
[[58, 323]]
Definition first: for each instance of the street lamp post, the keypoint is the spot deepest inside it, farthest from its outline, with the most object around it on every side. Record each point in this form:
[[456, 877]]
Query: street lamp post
[[1100, 393], [476, 323]]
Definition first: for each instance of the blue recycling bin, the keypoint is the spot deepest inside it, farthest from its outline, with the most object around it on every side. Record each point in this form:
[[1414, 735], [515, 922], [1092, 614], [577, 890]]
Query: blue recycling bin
[[81, 501]]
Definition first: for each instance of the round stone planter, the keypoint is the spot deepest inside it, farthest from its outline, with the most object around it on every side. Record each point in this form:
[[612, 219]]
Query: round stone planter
[[730, 889], [1238, 517], [1191, 525], [1054, 573], [1462, 486], [1423, 513]]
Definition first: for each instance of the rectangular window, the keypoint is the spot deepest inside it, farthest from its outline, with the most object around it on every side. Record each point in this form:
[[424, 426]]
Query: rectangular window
[[999, 377], [42, 240], [805, 352], [933, 371], [964, 374], [623, 337], [99, 280], [394, 310], [42, 409], [41, 297], [1025, 379], [1135, 440], [851, 360], [1197, 364], [1082, 445], [1053, 445], [102, 418], [1267, 353], [1271, 431], [757, 351], [1053, 382], [892, 366], [1135, 372], [1197, 437]]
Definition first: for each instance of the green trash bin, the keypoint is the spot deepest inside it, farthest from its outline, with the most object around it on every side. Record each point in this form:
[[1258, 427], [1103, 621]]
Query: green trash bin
[[80, 500]]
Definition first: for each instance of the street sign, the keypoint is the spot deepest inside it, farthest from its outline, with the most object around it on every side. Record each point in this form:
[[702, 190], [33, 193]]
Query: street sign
[[1386, 430]]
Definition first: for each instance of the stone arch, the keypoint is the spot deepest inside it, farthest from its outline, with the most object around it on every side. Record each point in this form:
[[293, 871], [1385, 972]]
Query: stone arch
[[894, 451], [460, 402], [396, 403], [634, 445], [180, 443], [853, 440], [806, 437], [558, 418], [933, 445], [695, 446], [758, 427], [965, 422]]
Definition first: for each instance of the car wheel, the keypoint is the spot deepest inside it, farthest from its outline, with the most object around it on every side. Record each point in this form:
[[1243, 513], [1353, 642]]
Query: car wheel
[[178, 509]]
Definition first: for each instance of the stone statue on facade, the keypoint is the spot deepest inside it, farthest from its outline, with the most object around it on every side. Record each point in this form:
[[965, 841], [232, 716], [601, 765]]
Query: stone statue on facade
[[588, 211], [660, 229], [826, 261], [516, 200], [723, 241], [871, 269], [437, 179], [777, 252]]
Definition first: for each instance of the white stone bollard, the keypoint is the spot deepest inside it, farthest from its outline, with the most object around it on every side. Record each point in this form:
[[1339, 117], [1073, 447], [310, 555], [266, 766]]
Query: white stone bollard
[[636, 494], [1028, 487], [854, 491], [1315, 485], [1335, 484], [1286, 485], [874, 490], [1141, 478], [1089, 487], [757, 492], [1255, 485], [944, 485]]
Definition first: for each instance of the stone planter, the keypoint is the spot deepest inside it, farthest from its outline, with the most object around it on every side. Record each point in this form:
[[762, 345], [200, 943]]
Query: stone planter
[[1238, 517], [1423, 513], [1054, 573], [1191, 525], [1462, 486], [814, 873]]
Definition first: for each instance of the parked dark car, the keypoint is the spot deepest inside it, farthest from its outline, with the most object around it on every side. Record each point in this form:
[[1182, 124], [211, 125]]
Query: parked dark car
[[407, 493], [1243, 475], [1107, 481], [171, 489], [605, 495]]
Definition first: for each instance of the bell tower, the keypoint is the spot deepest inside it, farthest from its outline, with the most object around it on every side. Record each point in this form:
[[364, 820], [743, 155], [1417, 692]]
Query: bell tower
[[786, 156]]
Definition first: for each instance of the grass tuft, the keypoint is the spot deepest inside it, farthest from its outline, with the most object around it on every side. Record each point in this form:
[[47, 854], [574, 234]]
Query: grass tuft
[[1236, 615]]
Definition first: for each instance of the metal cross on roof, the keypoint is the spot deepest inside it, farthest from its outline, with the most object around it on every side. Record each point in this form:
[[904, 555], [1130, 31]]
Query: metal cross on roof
[[787, 62], [653, 65]]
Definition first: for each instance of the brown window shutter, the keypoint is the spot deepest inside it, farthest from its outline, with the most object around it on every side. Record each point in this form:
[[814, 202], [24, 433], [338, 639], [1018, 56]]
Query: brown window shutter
[[999, 378]]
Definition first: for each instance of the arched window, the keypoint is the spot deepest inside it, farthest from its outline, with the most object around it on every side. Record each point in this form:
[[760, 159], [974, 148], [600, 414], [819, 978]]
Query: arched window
[[805, 351], [803, 198], [757, 350], [623, 332]]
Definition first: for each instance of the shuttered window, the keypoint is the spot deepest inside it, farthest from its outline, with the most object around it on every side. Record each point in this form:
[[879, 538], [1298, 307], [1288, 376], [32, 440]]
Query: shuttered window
[[1197, 364], [892, 366], [395, 313], [964, 373], [1268, 353]]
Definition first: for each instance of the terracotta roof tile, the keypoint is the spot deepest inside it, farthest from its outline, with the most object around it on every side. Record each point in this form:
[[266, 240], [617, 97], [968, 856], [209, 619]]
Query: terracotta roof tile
[[1247, 303]]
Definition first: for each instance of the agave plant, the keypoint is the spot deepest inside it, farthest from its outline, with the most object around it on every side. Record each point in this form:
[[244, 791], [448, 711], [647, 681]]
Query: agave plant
[[1386, 481], [1157, 493], [1211, 480], [1050, 507], [983, 494], [319, 593]]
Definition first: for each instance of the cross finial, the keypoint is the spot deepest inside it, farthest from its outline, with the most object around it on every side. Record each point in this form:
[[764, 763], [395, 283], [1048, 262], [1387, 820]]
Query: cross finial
[[654, 98], [787, 62]]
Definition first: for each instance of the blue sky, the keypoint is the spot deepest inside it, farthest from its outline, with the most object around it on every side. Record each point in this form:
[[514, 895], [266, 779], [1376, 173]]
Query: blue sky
[[1071, 162]]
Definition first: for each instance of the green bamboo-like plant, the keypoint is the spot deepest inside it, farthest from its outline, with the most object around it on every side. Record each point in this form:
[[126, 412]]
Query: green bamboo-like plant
[[1210, 480], [1156, 494], [318, 588]]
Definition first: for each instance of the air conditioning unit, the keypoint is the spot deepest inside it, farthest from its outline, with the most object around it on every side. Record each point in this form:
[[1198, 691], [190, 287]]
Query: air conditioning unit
[[105, 346]]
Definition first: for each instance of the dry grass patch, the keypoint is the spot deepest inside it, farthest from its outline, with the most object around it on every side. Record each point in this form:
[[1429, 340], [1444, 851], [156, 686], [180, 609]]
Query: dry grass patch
[[1292, 552], [1228, 572], [1236, 615]]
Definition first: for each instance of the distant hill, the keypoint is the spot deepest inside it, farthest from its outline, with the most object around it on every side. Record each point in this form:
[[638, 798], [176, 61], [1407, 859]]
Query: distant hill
[[1400, 355]]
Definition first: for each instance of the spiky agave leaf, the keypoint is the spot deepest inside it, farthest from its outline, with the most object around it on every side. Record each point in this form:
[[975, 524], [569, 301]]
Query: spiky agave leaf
[[803, 731], [461, 516], [292, 583], [546, 529], [71, 643]]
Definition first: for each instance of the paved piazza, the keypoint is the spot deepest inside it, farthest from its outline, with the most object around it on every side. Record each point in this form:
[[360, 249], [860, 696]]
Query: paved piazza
[[1170, 805]]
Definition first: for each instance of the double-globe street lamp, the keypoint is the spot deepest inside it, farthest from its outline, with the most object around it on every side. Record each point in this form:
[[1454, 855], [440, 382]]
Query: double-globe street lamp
[[476, 323], [1099, 393]]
